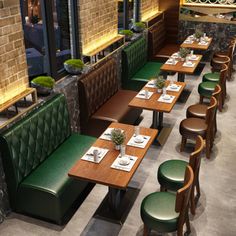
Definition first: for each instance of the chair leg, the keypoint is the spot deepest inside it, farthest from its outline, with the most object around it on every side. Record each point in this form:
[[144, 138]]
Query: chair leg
[[163, 189], [201, 99], [183, 143], [208, 147], [197, 190], [220, 105], [192, 199], [145, 230], [187, 224]]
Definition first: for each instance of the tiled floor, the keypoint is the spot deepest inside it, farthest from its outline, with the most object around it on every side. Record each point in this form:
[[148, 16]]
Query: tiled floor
[[216, 211]]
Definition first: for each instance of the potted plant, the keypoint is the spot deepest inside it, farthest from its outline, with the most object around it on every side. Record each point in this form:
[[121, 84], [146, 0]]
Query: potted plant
[[43, 84], [160, 83], [139, 26], [183, 53], [74, 66], [117, 137], [127, 33], [198, 34]]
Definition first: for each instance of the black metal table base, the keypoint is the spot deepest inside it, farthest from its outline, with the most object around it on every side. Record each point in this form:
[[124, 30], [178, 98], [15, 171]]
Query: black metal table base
[[181, 77], [116, 205]]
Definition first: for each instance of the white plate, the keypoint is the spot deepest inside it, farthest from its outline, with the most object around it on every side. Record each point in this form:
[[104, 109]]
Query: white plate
[[193, 57], [124, 161], [189, 63], [167, 97], [139, 139], [174, 86]]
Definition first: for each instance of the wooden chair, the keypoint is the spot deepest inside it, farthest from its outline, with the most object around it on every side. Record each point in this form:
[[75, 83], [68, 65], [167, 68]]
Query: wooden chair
[[228, 53], [199, 110], [207, 87], [171, 173], [167, 212], [190, 128]]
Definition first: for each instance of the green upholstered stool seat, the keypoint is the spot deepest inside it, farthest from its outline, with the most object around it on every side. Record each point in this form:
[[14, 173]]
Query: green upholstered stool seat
[[171, 174], [158, 212], [206, 89], [211, 77]]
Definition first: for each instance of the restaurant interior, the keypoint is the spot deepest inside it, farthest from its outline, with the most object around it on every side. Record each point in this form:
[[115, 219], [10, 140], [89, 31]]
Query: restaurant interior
[[117, 117]]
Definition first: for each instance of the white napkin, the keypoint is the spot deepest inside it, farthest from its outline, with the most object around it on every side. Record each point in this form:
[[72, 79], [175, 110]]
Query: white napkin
[[141, 94], [88, 156], [161, 99], [188, 65], [136, 144], [117, 165], [170, 62], [169, 88], [151, 84]]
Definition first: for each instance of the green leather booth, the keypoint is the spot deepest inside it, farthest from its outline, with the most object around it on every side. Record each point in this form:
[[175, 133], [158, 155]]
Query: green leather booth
[[136, 70], [37, 153]]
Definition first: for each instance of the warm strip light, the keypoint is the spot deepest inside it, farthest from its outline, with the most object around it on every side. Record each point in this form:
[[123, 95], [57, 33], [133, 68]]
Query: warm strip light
[[149, 14], [99, 42], [9, 94]]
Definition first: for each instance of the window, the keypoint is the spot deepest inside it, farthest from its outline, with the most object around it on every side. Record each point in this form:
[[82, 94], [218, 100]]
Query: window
[[47, 36], [125, 13]]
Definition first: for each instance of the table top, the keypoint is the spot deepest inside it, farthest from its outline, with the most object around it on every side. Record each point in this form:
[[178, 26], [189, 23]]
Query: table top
[[180, 68], [195, 45], [102, 173], [152, 103]]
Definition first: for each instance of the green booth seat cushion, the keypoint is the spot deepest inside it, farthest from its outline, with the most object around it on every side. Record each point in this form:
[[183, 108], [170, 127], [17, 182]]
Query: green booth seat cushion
[[49, 188], [171, 174], [158, 212], [211, 77], [148, 71], [206, 89]]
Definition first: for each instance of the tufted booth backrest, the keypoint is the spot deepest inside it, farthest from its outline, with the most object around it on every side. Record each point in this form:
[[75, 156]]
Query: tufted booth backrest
[[134, 57], [31, 140], [156, 37], [96, 88]]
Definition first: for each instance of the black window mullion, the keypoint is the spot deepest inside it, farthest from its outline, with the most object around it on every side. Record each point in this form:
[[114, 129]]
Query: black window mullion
[[49, 37], [75, 28], [137, 10], [126, 14]]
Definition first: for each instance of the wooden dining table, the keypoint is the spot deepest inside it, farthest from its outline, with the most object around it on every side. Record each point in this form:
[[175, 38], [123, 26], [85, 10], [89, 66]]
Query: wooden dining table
[[117, 180], [181, 69], [195, 44], [158, 108]]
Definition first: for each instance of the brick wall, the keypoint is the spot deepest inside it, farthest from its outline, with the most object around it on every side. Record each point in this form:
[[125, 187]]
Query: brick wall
[[149, 8], [13, 67], [98, 20]]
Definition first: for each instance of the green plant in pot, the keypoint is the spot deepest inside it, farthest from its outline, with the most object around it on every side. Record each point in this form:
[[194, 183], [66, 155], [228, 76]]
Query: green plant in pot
[[127, 33], [139, 27], [43, 84], [160, 83], [198, 34], [183, 53], [74, 66], [117, 137]]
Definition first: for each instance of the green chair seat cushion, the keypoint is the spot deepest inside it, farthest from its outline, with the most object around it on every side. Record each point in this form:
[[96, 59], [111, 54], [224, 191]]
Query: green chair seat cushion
[[148, 71], [211, 77], [171, 174], [206, 89], [158, 212], [49, 184]]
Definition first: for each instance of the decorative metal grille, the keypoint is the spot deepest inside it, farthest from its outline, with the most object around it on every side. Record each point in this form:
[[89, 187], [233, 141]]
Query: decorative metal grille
[[230, 3]]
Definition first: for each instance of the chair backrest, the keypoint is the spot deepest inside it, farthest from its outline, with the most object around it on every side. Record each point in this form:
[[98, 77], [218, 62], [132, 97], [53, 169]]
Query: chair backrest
[[156, 37], [223, 74], [96, 87], [183, 196], [210, 114], [195, 157], [217, 65], [134, 57], [217, 92], [32, 139]]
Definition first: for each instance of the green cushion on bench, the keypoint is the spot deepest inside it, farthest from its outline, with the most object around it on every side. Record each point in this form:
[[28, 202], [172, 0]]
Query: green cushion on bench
[[49, 184], [149, 70]]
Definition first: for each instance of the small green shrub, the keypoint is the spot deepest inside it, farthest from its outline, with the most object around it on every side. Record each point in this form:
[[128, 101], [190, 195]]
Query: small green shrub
[[117, 136], [128, 33], [77, 63], [160, 82], [44, 81], [198, 34], [140, 25], [183, 52]]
